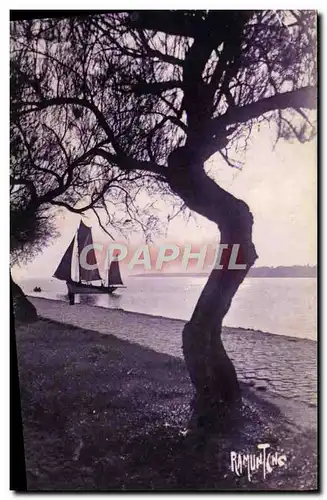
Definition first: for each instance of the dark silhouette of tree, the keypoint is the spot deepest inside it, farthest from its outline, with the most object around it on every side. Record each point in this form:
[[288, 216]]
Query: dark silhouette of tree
[[151, 96], [53, 164]]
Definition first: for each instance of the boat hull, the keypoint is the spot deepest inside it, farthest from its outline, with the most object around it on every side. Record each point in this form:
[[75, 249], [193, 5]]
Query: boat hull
[[75, 287]]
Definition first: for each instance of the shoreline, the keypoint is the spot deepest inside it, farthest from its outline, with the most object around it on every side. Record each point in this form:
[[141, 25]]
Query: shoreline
[[183, 321], [100, 413], [286, 366]]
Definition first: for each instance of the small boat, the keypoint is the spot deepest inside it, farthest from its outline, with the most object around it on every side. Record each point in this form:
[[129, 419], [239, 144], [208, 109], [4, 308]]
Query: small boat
[[37, 289], [85, 277]]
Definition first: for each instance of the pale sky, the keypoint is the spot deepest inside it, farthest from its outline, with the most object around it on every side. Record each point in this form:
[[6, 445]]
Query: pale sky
[[280, 188]]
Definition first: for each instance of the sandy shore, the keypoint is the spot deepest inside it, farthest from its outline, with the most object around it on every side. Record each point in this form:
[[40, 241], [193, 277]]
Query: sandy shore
[[285, 366], [100, 413]]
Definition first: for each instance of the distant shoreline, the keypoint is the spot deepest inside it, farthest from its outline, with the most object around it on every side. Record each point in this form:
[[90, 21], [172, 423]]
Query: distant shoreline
[[254, 273]]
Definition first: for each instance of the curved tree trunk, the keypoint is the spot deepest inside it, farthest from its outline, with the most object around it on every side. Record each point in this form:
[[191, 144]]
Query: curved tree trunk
[[211, 370]]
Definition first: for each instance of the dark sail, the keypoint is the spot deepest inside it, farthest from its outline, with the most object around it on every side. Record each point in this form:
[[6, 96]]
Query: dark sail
[[84, 238], [64, 270], [114, 277]]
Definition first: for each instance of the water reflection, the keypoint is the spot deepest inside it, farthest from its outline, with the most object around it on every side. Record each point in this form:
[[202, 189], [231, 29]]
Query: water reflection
[[89, 300], [104, 300], [276, 305], [114, 296]]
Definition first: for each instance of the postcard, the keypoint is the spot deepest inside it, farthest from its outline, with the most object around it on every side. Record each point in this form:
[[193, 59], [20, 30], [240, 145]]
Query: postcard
[[163, 215]]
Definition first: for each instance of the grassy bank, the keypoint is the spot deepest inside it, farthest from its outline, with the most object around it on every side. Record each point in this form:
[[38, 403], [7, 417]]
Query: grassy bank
[[104, 414]]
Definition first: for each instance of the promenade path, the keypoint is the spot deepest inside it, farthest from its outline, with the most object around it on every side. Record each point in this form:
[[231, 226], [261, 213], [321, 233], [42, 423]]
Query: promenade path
[[285, 366]]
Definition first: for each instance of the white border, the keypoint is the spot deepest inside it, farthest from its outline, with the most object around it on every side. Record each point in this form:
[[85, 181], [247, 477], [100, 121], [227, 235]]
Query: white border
[[4, 198]]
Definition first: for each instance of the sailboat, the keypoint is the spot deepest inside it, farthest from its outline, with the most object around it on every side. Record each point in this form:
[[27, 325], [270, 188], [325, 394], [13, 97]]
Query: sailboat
[[85, 277]]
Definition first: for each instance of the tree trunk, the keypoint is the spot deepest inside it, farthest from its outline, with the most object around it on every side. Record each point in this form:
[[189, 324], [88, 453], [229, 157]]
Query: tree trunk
[[24, 310], [211, 370]]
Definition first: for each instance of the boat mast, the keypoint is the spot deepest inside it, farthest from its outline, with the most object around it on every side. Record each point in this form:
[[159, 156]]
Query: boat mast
[[77, 260]]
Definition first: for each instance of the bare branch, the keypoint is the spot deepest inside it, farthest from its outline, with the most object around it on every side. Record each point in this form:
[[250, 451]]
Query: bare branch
[[155, 88], [128, 163], [302, 98]]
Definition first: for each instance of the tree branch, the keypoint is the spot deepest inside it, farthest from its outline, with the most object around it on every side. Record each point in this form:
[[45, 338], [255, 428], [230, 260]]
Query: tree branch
[[305, 97], [101, 225], [127, 163], [150, 52], [24, 182], [155, 88], [57, 101], [173, 22]]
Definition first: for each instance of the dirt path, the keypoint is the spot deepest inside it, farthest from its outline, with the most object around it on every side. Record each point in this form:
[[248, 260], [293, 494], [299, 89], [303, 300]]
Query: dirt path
[[284, 366], [104, 414]]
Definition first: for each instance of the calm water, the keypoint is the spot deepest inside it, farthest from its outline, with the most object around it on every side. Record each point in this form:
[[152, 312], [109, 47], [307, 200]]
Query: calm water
[[284, 306]]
